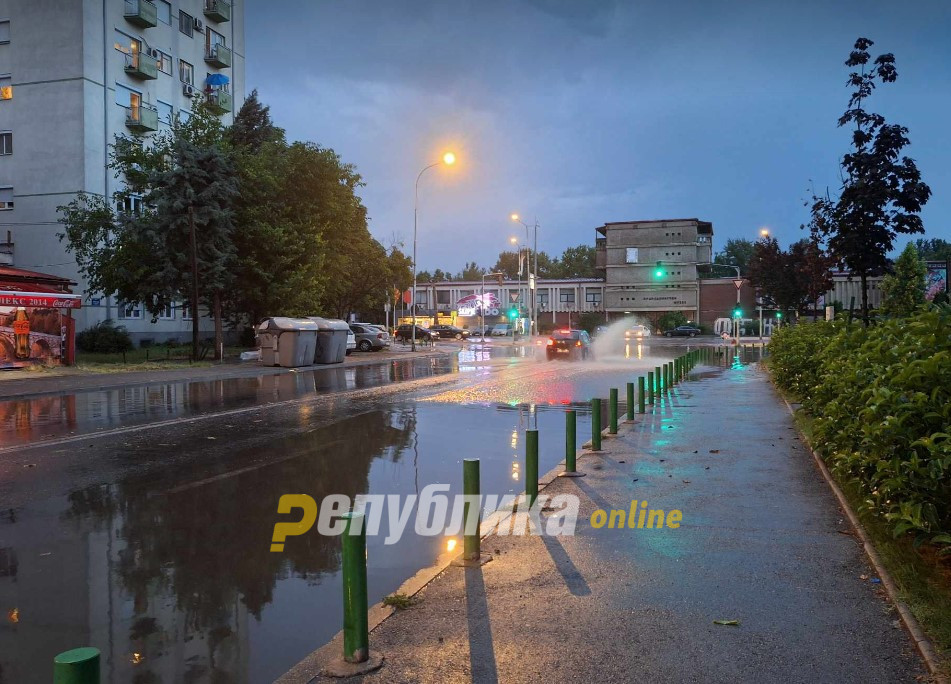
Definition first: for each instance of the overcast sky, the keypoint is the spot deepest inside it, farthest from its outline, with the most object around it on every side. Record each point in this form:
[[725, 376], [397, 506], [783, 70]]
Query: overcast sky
[[586, 111]]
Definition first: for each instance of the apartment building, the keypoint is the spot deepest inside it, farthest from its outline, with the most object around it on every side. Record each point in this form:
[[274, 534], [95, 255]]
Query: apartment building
[[73, 75], [650, 267]]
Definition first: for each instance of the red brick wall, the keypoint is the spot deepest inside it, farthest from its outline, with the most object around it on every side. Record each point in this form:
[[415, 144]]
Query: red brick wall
[[718, 299]]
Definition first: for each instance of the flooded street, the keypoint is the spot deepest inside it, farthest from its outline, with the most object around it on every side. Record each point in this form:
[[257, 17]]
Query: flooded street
[[141, 522]]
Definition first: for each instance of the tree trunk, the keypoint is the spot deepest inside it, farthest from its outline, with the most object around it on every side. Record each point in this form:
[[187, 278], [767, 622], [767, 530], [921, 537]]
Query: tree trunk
[[219, 331], [194, 259], [865, 299]]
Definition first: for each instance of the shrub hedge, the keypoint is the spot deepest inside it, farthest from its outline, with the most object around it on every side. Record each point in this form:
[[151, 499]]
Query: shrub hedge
[[881, 402], [104, 337]]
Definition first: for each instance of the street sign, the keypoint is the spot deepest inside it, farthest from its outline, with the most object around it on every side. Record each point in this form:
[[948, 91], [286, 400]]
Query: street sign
[[514, 296], [738, 283]]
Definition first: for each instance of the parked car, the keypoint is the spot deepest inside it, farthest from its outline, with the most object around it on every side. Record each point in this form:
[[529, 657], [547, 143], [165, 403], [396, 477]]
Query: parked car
[[369, 337], [447, 332], [351, 342], [482, 331], [636, 331], [571, 345], [404, 333], [683, 331], [502, 329]]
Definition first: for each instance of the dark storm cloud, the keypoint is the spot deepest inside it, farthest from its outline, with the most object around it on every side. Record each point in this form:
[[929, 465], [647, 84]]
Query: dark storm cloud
[[585, 112]]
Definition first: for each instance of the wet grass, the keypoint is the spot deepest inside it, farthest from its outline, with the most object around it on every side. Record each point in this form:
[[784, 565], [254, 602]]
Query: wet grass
[[922, 577], [399, 601]]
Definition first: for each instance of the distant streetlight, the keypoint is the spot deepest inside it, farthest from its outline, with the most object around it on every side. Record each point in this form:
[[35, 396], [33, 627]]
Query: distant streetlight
[[532, 306], [764, 232], [448, 159]]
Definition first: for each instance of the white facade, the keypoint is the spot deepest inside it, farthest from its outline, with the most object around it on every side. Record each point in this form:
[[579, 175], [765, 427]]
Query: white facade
[[73, 75]]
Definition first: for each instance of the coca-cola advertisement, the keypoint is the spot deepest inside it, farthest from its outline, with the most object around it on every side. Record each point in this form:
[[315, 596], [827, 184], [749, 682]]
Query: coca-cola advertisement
[[29, 336]]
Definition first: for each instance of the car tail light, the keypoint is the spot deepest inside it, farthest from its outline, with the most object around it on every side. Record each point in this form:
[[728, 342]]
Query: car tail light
[[379, 336], [550, 342], [578, 343]]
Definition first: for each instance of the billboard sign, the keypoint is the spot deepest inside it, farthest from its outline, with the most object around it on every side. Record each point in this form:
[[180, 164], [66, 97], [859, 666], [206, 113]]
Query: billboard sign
[[479, 305]]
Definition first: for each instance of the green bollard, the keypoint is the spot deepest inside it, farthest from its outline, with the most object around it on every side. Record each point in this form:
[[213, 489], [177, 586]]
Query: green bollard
[[78, 666], [571, 424], [595, 425], [630, 401], [470, 488], [640, 394], [659, 379], [531, 466], [356, 634], [650, 387], [612, 408]]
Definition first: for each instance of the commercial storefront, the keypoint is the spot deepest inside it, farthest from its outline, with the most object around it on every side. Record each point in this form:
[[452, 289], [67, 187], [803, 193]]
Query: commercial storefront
[[36, 323]]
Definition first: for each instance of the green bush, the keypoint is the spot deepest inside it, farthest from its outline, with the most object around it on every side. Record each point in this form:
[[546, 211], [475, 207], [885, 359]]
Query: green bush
[[881, 402], [105, 338]]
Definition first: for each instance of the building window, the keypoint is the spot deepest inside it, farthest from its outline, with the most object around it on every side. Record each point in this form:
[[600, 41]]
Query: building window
[[164, 112], [631, 255], [542, 299], [165, 63], [566, 296], [184, 115], [4, 32], [592, 296], [6, 88], [186, 72], [129, 311], [186, 311], [130, 204], [164, 11], [213, 38], [6, 142], [6, 198], [168, 313], [186, 24]]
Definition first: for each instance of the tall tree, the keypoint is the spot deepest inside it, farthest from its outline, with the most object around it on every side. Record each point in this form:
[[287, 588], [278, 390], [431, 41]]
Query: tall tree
[[813, 269], [736, 252], [934, 249], [578, 262], [471, 271], [882, 192], [903, 290], [508, 263], [789, 280]]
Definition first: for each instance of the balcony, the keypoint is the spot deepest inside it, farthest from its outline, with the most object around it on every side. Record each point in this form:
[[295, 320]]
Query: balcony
[[141, 66], [219, 56], [220, 102], [218, 10], [142, 119], [142, 13]]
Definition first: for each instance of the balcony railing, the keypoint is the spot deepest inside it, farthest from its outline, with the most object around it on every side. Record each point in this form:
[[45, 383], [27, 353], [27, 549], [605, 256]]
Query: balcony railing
[[142, 13], [142, 119], [218, 55], [142, 66], [218, 10], [220, 101]]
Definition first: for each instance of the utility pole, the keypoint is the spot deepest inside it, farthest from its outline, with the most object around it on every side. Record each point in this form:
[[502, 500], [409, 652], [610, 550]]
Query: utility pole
[[191, 225]]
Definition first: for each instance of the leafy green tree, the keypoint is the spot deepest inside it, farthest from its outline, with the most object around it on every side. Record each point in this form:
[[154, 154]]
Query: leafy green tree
[[578, 262], [508, 263], [790, 280], [671, 319], [934, 249], [903, 290], [882, 192], [471, 271], [736, 252]]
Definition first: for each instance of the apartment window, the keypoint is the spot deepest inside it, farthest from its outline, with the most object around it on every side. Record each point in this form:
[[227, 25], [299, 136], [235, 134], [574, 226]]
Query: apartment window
[[186, 311], [186, 72], [6, 88], [125, 97], [213, 38], [165, 63], [130, 204], [184, 115], [566, 296], [4, 31], [168, 313], [164, 112], [6, 142], [592, 296], [6, 198], [126, 44], [164, 11], [130, 311], [630, 256], [186, 24]]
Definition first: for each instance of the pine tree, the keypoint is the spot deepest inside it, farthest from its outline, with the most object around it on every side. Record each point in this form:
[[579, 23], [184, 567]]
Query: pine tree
[[903, 290]]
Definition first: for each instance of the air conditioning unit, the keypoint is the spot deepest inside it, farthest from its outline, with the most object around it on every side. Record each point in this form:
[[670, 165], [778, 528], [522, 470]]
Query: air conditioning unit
[[153, 52], [199, 26], [188, 90]]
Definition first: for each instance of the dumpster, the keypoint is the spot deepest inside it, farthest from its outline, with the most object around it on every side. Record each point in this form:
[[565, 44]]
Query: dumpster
[[331, 339], [287, 342]]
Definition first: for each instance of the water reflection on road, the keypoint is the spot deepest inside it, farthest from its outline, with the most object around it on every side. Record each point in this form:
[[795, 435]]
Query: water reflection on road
[[158, 553]]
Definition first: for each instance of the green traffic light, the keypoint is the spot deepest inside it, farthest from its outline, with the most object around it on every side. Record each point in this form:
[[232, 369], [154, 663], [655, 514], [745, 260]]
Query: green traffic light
[[779, 314], [513, 314], [737, 313], [659, 274]]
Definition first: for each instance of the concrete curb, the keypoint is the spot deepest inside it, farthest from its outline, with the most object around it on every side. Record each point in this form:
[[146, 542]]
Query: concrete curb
[[922, 642]]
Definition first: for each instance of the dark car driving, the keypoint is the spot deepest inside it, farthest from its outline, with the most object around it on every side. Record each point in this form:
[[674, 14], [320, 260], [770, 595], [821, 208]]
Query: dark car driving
[[449, 332], [682, 331], [404, 333], [571, 345]]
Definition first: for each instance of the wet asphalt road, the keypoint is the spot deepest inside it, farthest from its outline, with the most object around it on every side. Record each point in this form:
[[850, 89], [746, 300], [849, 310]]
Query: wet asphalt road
[[139, 520]]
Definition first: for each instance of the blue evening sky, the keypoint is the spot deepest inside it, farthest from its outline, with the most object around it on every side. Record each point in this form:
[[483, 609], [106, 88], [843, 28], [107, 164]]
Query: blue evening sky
[[586, 111]]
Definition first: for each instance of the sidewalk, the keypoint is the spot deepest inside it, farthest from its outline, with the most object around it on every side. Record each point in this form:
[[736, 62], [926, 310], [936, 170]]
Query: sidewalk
[[24, 384], [762, 541]]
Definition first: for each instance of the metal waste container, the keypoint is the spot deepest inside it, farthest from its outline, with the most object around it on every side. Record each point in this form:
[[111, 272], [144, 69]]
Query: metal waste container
[[331, 339], [287, 342]]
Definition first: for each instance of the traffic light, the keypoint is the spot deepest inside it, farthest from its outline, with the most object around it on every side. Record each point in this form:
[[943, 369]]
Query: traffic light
[[737, 312], [779, 314], [659, 270], [513, 313]]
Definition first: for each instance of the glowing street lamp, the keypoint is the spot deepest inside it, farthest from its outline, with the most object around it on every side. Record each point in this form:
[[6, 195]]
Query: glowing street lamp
[[532, 305], [764, 232], [448, 159]]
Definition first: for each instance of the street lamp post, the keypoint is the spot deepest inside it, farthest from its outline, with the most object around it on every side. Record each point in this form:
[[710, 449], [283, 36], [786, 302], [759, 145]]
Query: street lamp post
[[532, 304], [518, 300], [448, 159]]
